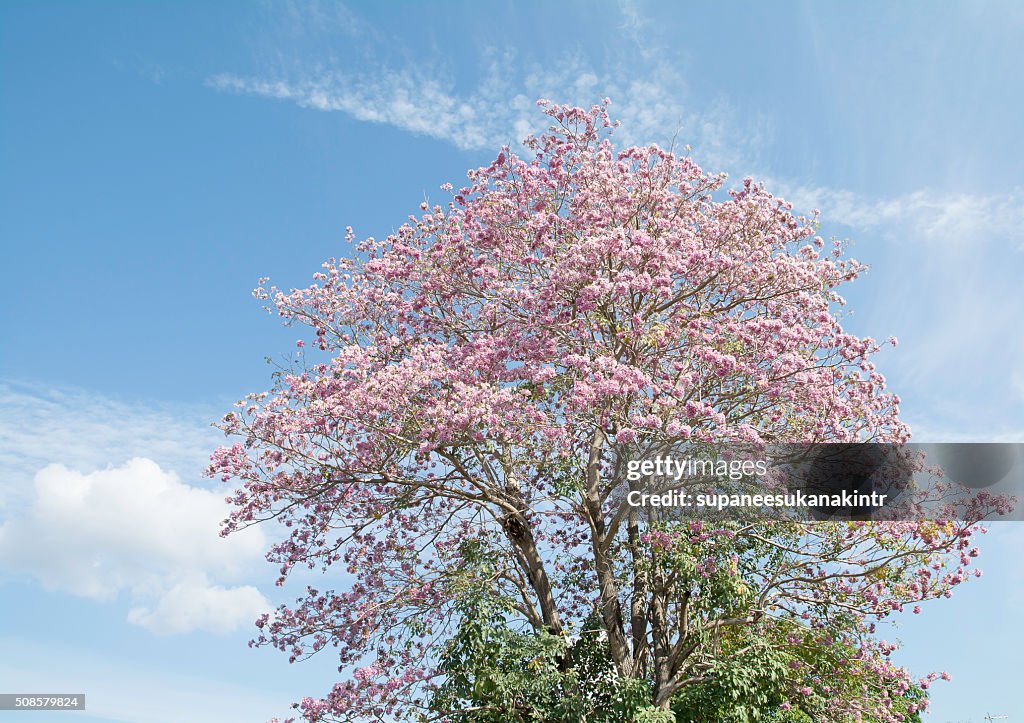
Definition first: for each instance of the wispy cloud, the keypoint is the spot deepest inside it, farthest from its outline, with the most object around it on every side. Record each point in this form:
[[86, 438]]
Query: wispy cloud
[[498, 107], [945, 281], [41, 425], [923, 215], [421, 103], [407, 100], [423, 96]]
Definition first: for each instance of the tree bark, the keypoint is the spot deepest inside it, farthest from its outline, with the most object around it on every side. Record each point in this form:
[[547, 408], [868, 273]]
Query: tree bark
[[610, 607], [518, 531]]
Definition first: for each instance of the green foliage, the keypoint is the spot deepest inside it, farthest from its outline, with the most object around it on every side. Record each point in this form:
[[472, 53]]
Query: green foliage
[[743, 687], [771, 671], [496, 674]]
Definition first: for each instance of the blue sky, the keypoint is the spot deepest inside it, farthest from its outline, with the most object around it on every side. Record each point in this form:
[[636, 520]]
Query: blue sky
[[157, 158]]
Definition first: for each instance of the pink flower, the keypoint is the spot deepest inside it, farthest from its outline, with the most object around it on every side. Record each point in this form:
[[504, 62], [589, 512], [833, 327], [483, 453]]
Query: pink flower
[[626, 436]]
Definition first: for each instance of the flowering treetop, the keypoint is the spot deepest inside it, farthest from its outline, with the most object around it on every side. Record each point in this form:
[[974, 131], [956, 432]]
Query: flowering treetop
[[488, 369]]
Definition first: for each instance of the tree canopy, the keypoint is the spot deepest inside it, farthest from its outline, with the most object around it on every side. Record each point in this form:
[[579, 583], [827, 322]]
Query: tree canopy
[[450, 445]]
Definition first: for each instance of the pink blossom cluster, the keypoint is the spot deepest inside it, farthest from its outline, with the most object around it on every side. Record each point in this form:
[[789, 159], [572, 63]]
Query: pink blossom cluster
[[473, 381]]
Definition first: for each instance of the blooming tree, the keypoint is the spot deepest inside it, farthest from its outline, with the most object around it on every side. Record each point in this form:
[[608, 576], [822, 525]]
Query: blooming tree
[[478, 381]]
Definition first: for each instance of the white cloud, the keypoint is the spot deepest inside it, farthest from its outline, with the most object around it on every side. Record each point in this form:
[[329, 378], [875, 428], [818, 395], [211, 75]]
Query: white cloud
[[960, 219], [405, 100], [502, 109], [136, 530], [93, 505], [424, 97], [88, 431], [944, 281], [195, 604]]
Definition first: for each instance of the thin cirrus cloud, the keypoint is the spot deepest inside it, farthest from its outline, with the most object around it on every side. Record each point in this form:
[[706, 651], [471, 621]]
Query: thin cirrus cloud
[[424, 98], [958, 219], [945, 282], [497, 107], [500, 111], [485, 120], [41, 425], [403, 100]]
